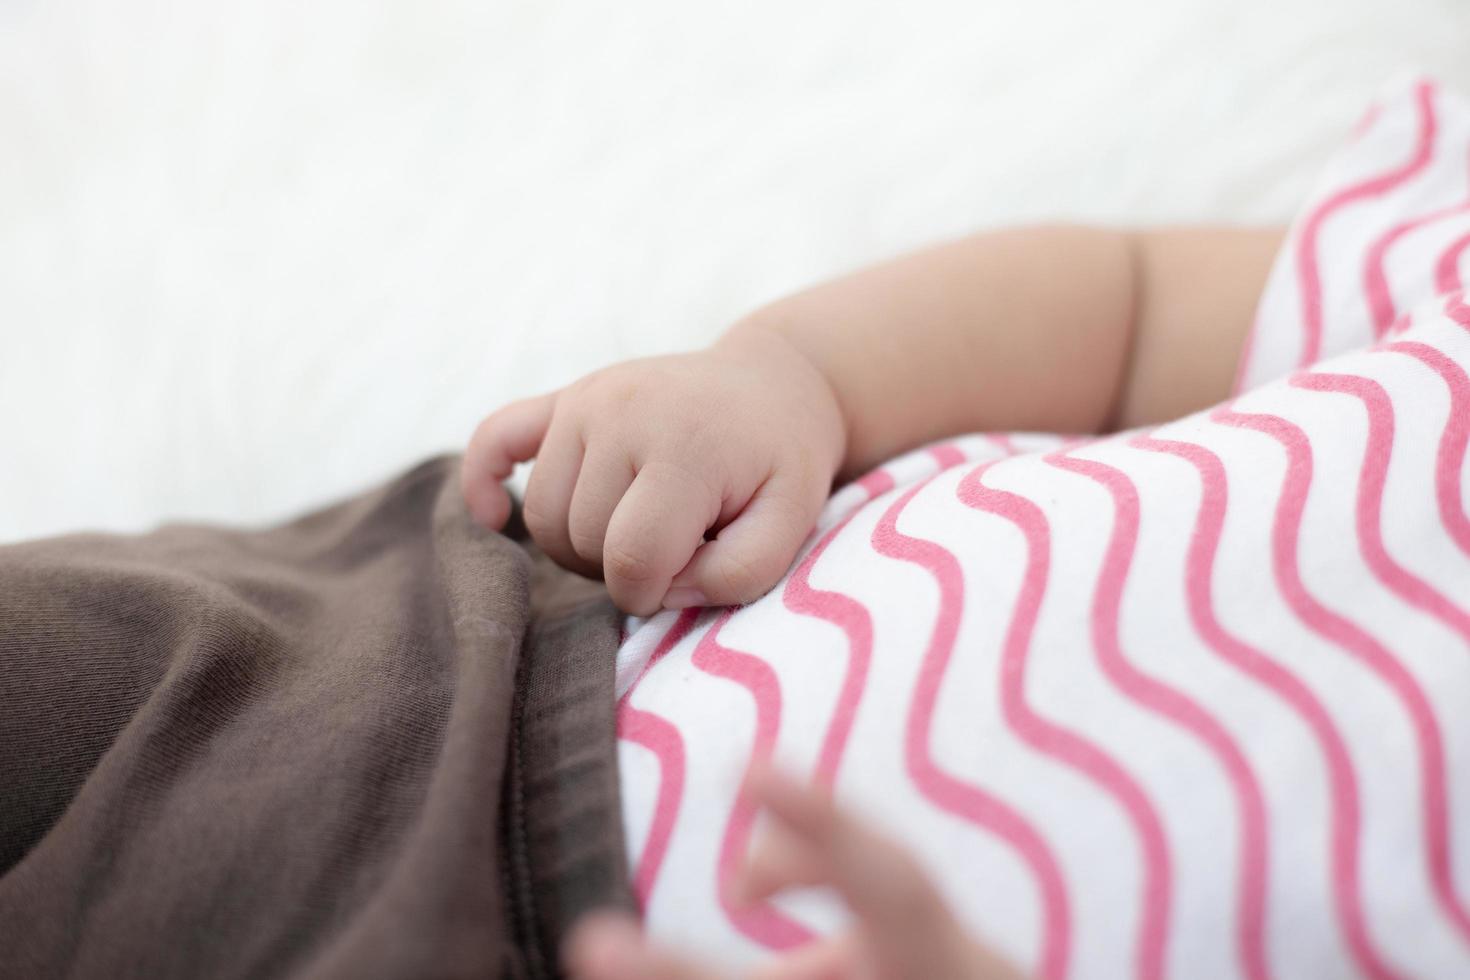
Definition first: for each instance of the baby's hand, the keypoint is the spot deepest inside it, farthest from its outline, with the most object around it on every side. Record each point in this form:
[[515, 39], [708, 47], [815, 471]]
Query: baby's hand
[[901, 926], [636, 463]]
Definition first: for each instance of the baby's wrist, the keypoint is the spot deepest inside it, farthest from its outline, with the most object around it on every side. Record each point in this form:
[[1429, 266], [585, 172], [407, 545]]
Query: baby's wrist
[[762, 338]]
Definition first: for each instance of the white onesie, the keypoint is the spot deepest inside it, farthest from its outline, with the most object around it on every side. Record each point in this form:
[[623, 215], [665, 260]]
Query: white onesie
[[1191, 701]]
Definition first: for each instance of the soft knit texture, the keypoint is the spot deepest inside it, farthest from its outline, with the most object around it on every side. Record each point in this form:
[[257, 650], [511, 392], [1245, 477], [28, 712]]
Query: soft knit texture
[[375, 742]]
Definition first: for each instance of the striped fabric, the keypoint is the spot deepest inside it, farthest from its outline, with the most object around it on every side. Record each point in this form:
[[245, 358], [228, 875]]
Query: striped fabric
[[1187, 702]]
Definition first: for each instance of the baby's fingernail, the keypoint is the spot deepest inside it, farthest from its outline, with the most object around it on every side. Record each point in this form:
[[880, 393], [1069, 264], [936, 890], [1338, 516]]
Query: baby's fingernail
[[682, 596]]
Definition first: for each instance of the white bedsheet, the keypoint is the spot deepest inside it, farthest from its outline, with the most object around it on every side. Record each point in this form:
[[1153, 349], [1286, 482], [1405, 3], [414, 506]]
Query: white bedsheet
[[255, 255]]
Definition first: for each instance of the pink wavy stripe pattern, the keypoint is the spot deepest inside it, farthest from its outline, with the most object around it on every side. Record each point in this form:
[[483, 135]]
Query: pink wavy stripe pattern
[[1447, 280], [1450, 457], [947, 455], [1447, 269], [945, 790], [1365, 121], [1369, 505], [1375, 278], [1348, 636], [850, 616], [1003, 442], [1066, 746], [1309, 276], [1199, 585], [1174, 705], [659, 735], [1403, 583], [662, 738], [762, 922]]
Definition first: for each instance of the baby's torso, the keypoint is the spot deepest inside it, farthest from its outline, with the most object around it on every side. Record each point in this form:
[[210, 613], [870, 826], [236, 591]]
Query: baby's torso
[[1188, 701]]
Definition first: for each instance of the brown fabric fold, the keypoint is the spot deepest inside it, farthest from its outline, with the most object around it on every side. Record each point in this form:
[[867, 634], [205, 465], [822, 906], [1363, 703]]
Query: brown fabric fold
[[374, 742]]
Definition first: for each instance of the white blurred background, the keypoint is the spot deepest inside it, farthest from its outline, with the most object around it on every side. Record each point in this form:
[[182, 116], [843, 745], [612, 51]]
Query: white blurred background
[[255, 256]]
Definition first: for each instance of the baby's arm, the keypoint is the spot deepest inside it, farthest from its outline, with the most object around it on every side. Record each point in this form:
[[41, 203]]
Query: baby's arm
[[1046, 329], [1058, 329]]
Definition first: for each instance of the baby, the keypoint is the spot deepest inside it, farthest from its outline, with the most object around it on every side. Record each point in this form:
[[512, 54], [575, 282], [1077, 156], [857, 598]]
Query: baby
[[692, 479], [1186, 700]]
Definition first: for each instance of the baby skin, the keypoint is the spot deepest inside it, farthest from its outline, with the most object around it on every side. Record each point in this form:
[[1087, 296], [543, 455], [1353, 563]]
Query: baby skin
[[693, 479], [901, 926]]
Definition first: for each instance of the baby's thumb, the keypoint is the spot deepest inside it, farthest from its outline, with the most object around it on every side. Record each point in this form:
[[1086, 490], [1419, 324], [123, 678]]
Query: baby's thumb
[[506, 437], [751, 553]]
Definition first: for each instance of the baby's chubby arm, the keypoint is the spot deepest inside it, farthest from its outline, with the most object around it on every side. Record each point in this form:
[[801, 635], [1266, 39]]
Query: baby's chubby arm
[[1053, 328]]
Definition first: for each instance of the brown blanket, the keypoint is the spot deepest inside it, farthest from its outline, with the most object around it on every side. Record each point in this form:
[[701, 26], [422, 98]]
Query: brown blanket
[[374, 742]]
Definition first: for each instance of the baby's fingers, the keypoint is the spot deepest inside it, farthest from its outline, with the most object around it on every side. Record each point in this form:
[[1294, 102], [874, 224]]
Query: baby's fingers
[[778, 860], [880, 881], [752, 552], [903, 920], [653, 532], [836, 957], [547, 506], [506, 437], [606, 475], [606, 946]]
